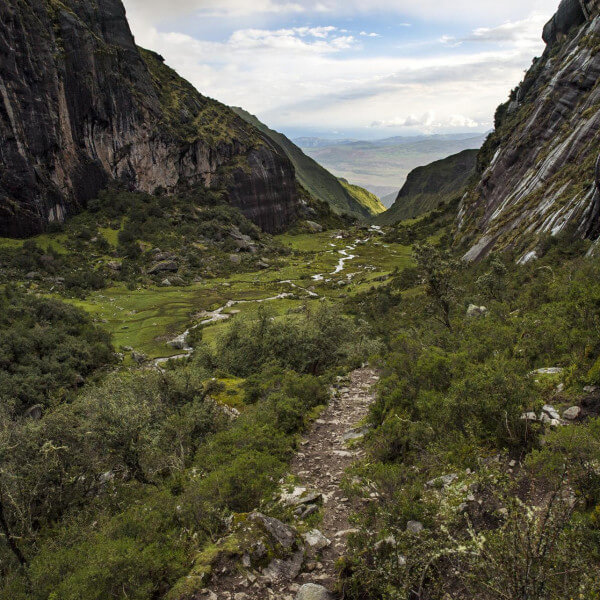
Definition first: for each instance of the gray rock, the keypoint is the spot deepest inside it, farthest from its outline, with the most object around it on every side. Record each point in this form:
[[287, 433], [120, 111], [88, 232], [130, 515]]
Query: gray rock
[[236, 259], [476, 311], [139, 357], [165, 266], [283, 534], [279, 569], [34, 412], [573, 413], [443, 481], [301, 495], [590, 389], [529, 416], [314, 227], [315, 541], [312, 591], [165, 282], [548, 371], [414, 527], [114, 265], [550, 411]]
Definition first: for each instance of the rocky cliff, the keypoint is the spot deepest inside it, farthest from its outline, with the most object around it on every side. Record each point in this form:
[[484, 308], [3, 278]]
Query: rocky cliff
[[429, 186], [539, 169], [81, 105]]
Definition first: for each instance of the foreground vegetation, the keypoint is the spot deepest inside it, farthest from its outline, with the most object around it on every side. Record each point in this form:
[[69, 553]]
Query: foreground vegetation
[[117, 479]]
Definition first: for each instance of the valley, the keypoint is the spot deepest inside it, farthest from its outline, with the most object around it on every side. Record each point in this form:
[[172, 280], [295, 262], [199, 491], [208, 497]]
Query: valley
[[227, 373]]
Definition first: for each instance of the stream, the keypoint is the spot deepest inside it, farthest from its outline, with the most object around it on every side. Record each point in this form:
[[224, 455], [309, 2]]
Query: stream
[[180, 342]]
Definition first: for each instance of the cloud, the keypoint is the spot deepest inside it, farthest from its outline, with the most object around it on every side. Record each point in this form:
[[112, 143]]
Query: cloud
[[373, 35], [465, 11], [313, 73]]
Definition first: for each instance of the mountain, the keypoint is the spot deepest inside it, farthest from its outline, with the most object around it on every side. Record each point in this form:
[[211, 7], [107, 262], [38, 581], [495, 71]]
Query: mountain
[[428, 187], [540, 168], [366, 198], [82, 106], [319, 182], [386, 163], [316, 142], [389, 199]]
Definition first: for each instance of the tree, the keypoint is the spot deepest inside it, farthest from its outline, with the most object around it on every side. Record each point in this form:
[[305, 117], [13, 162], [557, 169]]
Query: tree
[[437, 270]]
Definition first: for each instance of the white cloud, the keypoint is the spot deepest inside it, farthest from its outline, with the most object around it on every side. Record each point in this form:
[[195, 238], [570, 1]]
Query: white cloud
[[315, 75], [365, 34], [465, 11]]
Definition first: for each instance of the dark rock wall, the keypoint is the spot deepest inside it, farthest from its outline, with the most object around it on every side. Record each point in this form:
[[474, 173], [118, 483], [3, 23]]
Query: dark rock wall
[[78, 107]]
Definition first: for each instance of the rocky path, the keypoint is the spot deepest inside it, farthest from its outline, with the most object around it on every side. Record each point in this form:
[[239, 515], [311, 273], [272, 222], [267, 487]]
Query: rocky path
[[322, 461], [318, 468]]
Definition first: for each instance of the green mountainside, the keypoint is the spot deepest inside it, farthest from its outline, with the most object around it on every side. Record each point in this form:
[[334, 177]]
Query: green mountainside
[[428, 187], [366, 198], [313, 177]]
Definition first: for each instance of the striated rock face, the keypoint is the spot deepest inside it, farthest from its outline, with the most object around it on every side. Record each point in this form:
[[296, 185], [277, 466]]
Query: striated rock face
[[80, 105], [539, 170]]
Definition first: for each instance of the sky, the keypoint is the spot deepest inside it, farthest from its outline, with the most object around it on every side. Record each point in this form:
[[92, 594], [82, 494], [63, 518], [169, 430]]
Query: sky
[[362, 69]]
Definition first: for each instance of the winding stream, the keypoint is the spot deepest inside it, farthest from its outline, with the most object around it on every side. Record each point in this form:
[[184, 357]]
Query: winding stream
[[181, 341]]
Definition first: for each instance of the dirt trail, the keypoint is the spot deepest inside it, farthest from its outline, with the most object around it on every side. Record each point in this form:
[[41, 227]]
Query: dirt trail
[[319, 466], [324, 457]]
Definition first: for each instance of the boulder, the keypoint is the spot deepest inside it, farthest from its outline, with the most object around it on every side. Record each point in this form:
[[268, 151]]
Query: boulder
[[572, 414], [550, 411], [314, 227], [300, 495], [414, 527], [235, 259], [443, 481], [114, 265], [315, 541], [312, 591], [166, 282], [281, 533], [164, 266], [139, 357], [548, 371], [476, 311], [34, 412]]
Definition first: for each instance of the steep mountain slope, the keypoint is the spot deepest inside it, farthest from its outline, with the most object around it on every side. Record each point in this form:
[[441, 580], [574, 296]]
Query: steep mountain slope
[[367, 199], [319, 182], [82, 105], [427, 187], [383, 165], [539, 168]]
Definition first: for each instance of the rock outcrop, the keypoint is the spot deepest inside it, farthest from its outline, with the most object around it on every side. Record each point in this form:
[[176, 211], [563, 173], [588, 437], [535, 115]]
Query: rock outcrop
[[81, 105], [539, 169]]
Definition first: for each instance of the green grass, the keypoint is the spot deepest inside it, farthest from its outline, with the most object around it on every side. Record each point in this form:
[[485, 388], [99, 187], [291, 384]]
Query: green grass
[[367, 199]]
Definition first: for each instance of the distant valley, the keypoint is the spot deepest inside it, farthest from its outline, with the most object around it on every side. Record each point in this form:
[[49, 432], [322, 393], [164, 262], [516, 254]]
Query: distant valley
[[382, 166]]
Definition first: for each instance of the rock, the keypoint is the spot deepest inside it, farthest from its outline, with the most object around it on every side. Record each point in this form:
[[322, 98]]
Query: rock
[[114, 265], [236, 259], [388, 541], [263, 265], [289, 569], [414, 527], [139, 357], [314, 227], [311, 509], [550, 411], [443, 481], [32, 275], [34, 412], [529, 416], [163, 256], [548, 371], [165, 283], [300, 495], [165, 266], [572, 414], [315, 541], [346, 533], [590, 389], [283, 534], [312, 591], [476, 311]]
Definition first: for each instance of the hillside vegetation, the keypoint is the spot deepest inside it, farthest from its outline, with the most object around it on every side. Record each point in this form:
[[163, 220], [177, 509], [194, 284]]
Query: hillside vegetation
[[429, 186]]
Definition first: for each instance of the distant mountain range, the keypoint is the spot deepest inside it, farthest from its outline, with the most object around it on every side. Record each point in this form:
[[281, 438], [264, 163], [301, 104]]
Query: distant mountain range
[[382, 166]]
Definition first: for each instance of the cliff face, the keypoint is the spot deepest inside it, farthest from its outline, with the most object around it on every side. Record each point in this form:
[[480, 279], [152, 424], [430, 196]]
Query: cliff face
[[80, 105], [429, 186], [540, 166]]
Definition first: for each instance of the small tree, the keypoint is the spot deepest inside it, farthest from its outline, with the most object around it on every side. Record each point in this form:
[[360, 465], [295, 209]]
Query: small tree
[[437, 270]]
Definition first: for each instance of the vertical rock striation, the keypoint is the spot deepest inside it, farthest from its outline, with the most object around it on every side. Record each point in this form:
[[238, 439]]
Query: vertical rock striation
[[81, 105], [539, 168]]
